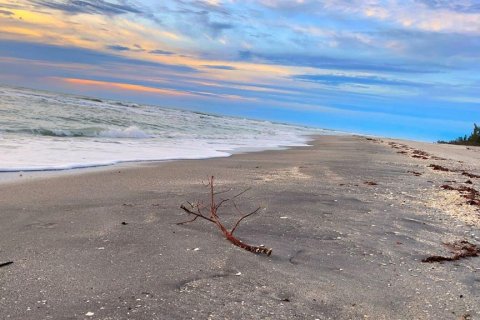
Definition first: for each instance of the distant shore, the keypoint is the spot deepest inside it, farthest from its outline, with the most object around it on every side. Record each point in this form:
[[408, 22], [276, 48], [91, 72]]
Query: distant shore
[[350, 220]]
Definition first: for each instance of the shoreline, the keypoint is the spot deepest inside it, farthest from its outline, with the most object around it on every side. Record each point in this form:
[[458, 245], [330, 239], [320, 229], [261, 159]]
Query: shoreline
[[348, 221], [18, 176]]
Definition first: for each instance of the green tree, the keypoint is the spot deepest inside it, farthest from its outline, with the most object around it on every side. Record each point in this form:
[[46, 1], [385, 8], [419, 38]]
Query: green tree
[[472, 140]]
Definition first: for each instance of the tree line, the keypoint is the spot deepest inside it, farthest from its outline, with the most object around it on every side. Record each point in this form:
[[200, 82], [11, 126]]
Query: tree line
[[472, 140]]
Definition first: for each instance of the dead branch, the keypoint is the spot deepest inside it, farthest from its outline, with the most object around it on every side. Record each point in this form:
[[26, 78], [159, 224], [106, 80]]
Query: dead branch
[[196, 211]]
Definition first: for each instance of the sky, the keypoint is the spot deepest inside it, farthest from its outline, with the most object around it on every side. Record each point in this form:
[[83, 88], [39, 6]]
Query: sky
[[399, 68]]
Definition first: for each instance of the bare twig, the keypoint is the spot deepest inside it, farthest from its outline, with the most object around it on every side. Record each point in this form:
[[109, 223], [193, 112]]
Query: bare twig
[[197, 215], [213, 217], [224, 191], [243, 217], [4, 264], [188, 221]]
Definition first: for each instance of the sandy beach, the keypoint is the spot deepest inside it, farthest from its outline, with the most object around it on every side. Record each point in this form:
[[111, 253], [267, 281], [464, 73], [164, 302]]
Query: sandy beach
[[349, 219]]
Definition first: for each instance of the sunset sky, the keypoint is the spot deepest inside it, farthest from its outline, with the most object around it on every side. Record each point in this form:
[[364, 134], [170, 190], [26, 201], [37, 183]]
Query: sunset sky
[[406, 68]]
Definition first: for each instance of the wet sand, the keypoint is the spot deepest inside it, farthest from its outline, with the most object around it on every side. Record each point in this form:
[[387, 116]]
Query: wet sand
[[349, 220]]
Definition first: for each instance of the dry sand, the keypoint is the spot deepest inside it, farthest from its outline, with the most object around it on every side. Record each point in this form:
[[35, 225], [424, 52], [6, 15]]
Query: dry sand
[[342, 249]]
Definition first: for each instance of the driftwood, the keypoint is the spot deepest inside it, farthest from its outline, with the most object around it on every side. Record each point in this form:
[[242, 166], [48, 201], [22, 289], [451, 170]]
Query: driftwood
[[197, 211]]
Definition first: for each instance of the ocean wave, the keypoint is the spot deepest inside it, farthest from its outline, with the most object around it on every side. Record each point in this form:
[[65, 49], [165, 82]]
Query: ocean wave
[[47, 131], [130, 132]]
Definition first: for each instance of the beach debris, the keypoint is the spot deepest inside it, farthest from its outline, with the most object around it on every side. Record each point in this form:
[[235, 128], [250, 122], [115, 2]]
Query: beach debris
[[198, 208], [462, 172], [420, 157], [414, 153], [4, 264], [89, 314], [472, 195], [447, 187], [415, 173], [438, 168], [470, 175], [460, 250], [396, 145], [124, 223], [420, 154], [370, 183]]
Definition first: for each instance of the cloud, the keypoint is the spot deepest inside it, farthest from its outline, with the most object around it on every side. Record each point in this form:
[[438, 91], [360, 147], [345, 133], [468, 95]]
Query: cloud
[[216, 28], [428, 15], [201, 6], [90, 7], [205, 23], [465, 6], [118, 48], [350, 64], [459, 16], [140, 88], [36, 51], [124, 86], [442, 46], [209, 18], [220, 67], [336, 80], [162, 52], [6, 13]]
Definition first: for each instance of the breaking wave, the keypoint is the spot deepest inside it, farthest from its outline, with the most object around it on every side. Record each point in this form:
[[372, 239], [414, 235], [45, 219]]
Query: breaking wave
[[130, 132]]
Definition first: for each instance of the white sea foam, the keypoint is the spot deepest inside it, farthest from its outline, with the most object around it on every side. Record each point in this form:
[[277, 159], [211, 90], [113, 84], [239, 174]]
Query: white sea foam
[[45, 131], [130, 132]]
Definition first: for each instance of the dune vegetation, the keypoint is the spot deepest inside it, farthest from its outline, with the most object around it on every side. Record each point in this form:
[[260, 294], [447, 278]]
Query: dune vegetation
[[472, 140]]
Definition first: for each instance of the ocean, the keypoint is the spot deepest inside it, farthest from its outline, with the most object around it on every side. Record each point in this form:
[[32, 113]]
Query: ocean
[[41, 131]]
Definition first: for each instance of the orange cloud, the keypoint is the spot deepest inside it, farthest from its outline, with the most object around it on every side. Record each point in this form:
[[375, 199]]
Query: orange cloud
[[126, 86], [21, 31], [147, 89]]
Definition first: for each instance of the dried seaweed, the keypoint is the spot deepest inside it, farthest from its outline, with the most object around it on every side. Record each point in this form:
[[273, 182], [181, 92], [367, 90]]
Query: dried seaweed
[[470, 175], [439, 168], [460, 250], [415, 173], [472, 195]]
